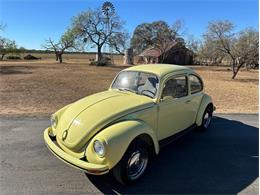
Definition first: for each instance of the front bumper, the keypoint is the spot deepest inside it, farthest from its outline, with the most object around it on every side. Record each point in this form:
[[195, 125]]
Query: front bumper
[[94, 169]]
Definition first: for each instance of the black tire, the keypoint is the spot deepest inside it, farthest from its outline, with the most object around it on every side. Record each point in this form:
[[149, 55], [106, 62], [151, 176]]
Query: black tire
[[207, 118], [123, 171]]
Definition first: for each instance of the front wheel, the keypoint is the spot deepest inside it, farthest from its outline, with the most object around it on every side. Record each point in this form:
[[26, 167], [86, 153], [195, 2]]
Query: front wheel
[[133, 164], [207, 117]]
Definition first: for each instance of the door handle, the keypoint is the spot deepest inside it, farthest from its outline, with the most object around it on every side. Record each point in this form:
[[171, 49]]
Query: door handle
[[188, 101]]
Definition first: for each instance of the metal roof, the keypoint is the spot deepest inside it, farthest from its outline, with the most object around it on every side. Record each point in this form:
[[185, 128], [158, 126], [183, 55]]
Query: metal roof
[[155, 52]]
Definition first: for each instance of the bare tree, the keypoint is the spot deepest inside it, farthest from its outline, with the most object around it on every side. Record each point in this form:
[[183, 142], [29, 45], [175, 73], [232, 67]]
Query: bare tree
[[193, 45], [178, 27], [97, 30], [66, 42], [208, 54], [247, 49], [241, 48], [51, 45], [220, 37]]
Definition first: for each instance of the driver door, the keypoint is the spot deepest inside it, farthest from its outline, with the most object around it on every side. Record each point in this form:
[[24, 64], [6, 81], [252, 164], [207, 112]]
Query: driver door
[[174, 109]]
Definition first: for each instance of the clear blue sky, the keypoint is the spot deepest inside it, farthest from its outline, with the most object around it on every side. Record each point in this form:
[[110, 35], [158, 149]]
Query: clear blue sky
[[30, 22]]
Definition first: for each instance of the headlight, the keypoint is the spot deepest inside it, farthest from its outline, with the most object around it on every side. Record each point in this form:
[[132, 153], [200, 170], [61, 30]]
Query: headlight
[[54, 121], [99, 148]]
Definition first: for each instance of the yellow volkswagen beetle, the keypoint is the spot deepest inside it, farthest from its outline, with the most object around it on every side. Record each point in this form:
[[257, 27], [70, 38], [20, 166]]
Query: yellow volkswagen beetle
[[119, 129]]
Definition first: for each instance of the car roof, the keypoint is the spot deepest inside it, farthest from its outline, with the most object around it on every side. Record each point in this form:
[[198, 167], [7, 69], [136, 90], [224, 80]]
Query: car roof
[[159, 69]]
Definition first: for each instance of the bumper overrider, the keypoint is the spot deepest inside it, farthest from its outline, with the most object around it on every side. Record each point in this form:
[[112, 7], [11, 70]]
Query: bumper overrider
[[90, 168]]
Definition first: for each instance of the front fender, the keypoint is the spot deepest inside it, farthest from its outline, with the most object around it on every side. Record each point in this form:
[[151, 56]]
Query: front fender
[[58, 114], [206, 100], [117, 138]]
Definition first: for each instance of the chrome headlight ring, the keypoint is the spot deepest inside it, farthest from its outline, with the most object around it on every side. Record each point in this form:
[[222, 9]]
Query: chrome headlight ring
[[54, 121], [99, 148]]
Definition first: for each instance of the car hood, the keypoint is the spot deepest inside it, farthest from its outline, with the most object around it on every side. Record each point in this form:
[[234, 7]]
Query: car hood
[[84, 118]]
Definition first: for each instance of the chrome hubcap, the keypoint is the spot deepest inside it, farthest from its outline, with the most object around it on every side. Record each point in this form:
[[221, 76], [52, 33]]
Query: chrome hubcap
[[207, 119], [136, 165]]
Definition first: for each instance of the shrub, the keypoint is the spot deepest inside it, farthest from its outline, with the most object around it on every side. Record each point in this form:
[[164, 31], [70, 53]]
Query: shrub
[[103, 62], [30, 57], [13, 57]]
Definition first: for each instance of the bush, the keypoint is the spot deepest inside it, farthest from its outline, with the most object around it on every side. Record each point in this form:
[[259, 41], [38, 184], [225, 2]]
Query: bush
[[13, 57], [30, 57], [103, 62]]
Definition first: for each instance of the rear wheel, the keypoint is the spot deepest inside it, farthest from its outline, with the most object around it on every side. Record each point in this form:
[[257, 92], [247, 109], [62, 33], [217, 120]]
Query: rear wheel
[[207, 117], [133, 164]]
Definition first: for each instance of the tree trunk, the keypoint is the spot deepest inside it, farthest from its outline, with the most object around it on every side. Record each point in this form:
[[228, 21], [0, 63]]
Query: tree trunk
[[234, 68], [57, 56], [237, 70], [2, 56], [60, 57], [234, 74], [99, 54]]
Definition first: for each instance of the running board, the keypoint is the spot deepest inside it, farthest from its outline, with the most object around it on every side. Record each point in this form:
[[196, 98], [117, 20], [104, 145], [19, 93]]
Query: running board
[[176, 136]]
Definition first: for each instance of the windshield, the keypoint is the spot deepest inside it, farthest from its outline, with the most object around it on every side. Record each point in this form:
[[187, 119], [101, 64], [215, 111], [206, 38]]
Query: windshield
[[137, 82]]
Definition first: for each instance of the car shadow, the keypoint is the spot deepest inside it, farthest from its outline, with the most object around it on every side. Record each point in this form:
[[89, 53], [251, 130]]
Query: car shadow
[[221, 160]]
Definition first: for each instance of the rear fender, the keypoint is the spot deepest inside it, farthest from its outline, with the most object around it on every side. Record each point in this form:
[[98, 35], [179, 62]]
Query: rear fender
[[206, 100]]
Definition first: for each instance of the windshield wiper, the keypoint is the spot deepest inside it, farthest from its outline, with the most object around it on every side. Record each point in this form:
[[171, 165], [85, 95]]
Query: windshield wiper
[[126, 89], [146, 95]]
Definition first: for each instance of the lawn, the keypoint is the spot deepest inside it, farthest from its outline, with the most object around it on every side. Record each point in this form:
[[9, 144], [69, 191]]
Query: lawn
[[39, 88]]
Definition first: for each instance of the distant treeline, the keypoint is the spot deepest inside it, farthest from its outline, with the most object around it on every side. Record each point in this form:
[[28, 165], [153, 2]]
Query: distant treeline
[[66, 52]]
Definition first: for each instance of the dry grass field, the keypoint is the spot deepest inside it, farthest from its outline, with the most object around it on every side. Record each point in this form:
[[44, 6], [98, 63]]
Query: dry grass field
[[41, 87], [73, 58]]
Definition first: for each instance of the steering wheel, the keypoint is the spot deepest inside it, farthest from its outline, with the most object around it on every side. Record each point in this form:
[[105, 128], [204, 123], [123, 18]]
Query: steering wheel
[[153, 94]]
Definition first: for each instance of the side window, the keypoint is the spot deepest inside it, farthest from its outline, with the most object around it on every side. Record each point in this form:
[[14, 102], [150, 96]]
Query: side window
[[195, 84], [176, 87]]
